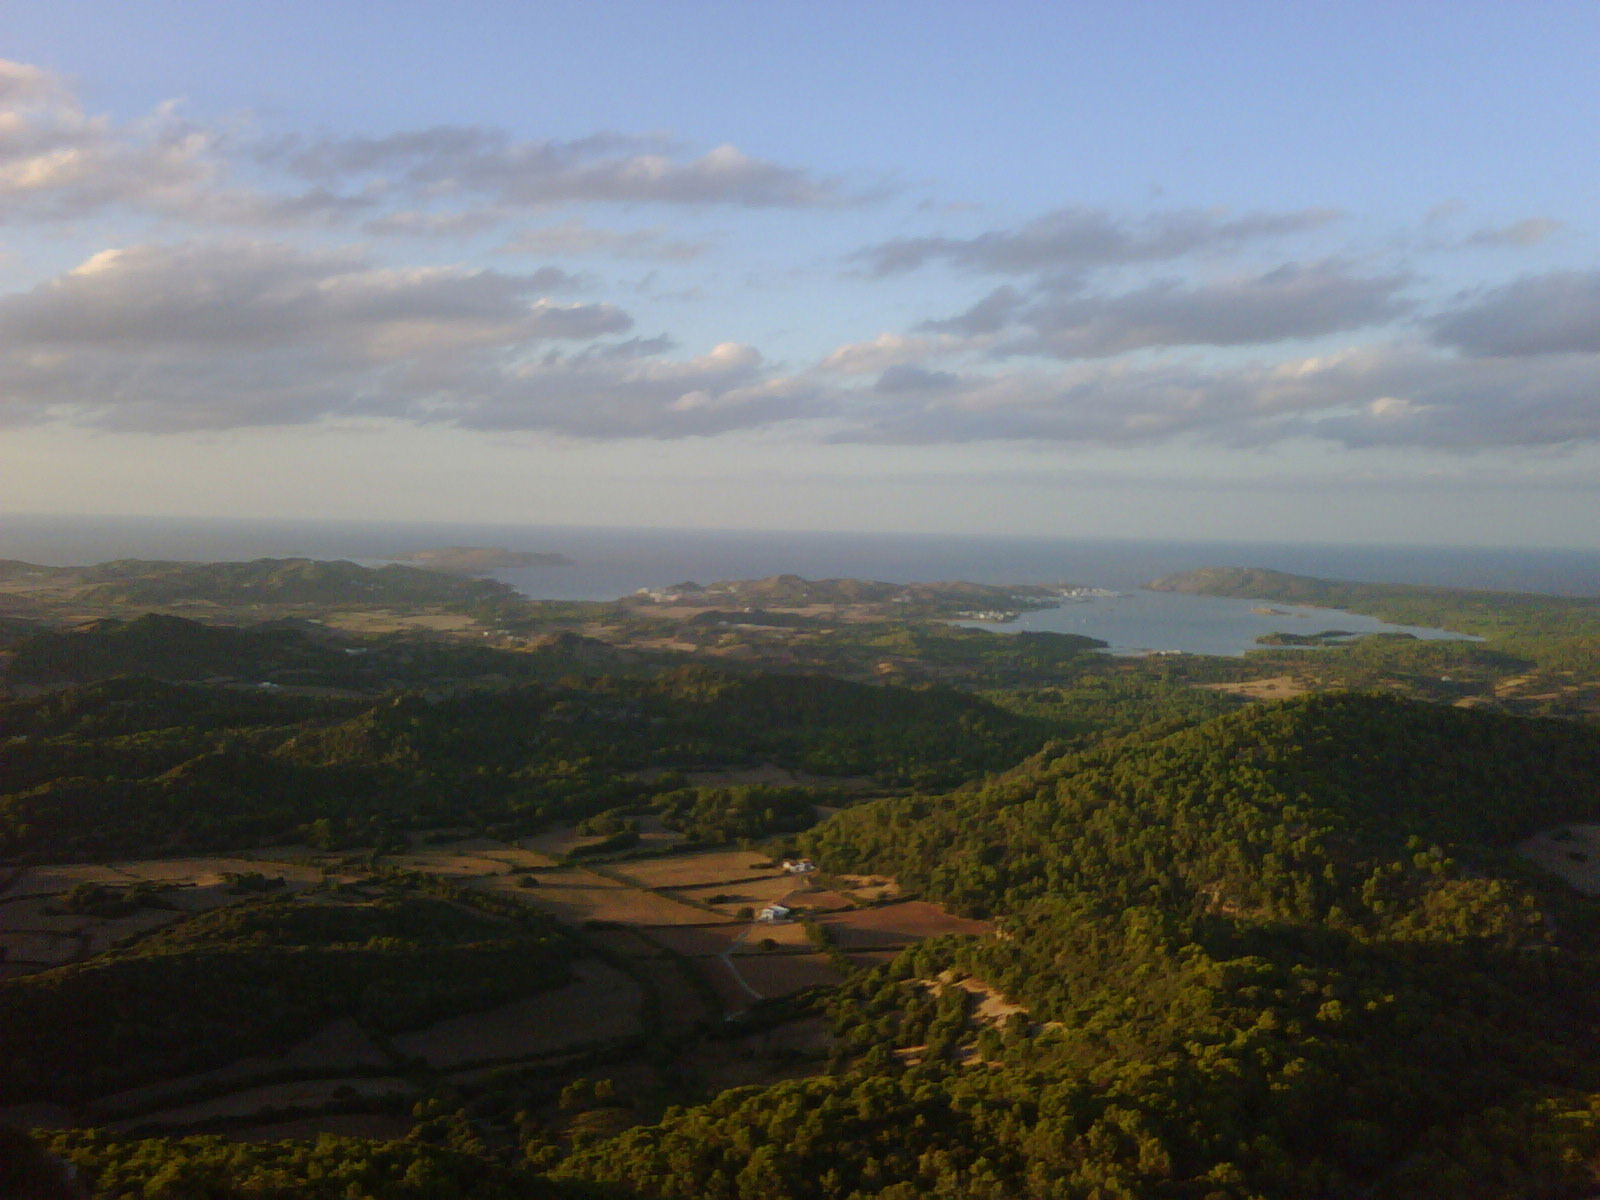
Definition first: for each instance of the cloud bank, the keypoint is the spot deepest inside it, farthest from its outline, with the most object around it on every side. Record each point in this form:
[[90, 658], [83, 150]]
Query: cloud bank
[[273, 281]]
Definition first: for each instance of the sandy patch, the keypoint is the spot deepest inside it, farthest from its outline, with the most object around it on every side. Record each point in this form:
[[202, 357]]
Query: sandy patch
[[991, 1006], [1575, 857], [598, 1005]]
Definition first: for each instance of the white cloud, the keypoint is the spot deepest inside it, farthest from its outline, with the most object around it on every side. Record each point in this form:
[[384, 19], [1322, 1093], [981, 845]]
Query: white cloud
[[1078, 239], [1527, 232], [1396, 395], [216, 335], [1290, 301], [1554, 313], [604, 167], [889, 350]]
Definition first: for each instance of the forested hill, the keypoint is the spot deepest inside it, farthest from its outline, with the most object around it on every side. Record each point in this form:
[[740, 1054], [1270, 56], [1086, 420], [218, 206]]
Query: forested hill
[[133, 766], [1280, 810], [261, 581], [1282, 954]]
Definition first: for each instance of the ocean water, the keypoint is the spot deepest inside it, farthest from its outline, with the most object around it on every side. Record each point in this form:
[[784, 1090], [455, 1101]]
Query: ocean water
[[608, 562]]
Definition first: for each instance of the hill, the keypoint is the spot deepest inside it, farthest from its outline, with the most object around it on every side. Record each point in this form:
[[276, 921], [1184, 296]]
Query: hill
[[1282, 954], [792, 591]]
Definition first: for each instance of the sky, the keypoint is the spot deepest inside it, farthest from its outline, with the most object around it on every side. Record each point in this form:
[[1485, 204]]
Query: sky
[[1276, 271]]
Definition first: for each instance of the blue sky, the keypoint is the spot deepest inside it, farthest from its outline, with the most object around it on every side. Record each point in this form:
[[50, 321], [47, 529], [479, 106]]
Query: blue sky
[[1222, 270]]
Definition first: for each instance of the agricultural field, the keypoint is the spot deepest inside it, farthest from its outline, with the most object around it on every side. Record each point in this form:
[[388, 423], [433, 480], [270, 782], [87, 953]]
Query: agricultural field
[[674, 952], [896, 925], [700, 868], [781, 974], [599, 1005], [341, 1046], [40, 928]]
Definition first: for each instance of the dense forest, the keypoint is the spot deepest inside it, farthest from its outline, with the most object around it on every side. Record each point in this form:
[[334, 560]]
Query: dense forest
[[135, 766]]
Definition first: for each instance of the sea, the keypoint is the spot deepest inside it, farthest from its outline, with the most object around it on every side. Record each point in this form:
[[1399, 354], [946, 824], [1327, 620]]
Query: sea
[[606, 563]]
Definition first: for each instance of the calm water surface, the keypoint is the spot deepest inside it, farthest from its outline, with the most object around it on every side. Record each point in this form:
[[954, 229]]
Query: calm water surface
[[1143, 622]]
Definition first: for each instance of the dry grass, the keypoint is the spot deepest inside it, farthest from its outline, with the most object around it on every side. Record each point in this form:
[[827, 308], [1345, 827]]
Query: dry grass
[[818, 901], [786, 934], [1278, 687], [379, 620], [703, 868], [756, 895], [576, 896], [599, 1004]]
